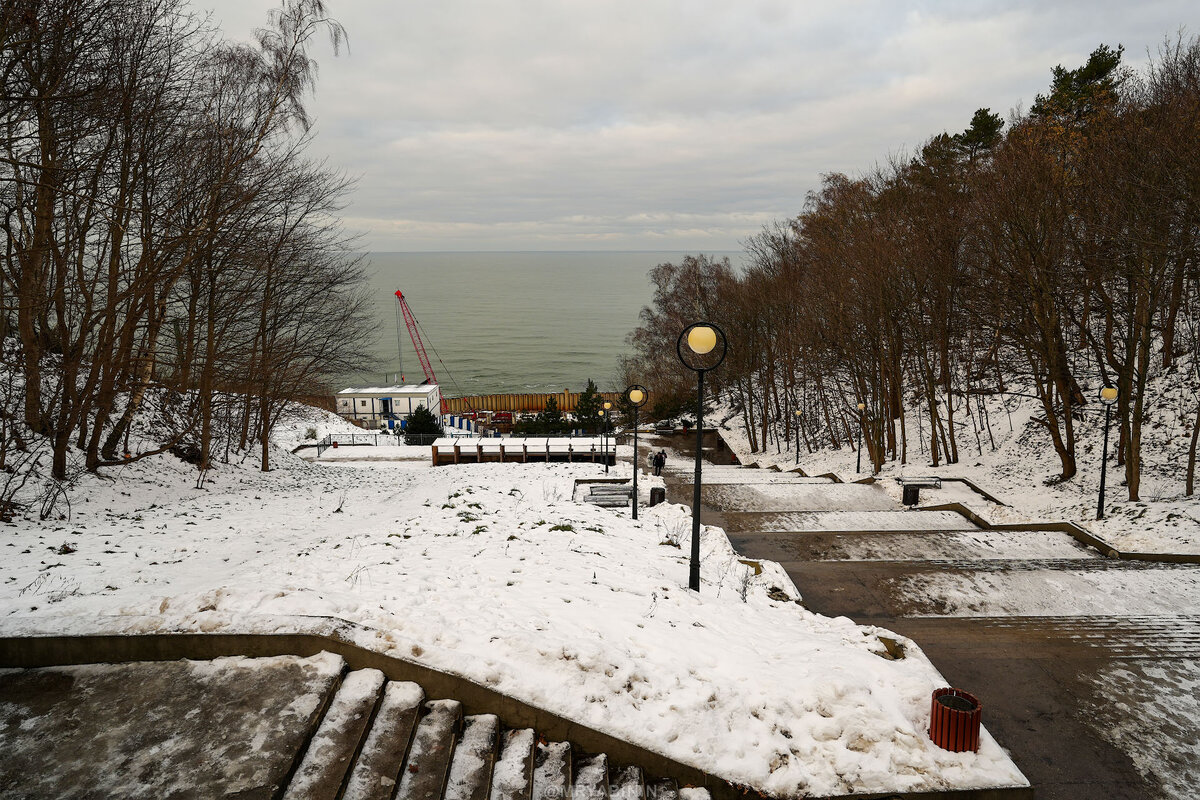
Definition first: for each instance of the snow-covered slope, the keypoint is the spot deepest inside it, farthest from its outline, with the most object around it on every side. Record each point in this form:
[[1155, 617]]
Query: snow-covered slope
[[492, 571], [1011, 456]]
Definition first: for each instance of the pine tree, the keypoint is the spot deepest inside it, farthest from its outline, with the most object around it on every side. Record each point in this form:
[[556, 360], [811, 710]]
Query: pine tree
[[587, 410], [420, 424], [550, 420]]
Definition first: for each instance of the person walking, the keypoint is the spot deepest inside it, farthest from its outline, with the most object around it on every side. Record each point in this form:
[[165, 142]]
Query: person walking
[[660, 460]]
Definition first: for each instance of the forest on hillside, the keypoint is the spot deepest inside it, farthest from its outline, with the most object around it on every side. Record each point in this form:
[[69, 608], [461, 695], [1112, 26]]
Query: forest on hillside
[[173, 258], [1044, 257]]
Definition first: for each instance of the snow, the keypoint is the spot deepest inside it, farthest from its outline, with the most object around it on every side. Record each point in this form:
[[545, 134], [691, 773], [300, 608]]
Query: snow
[[509, 775], [389, 452], [835, 521], [1151, 712], [961, 545], [492, 572], [1054, 592], [472, 756], [1021, 469], [299, 421], [799, 497], [353, 700], [407, 388]]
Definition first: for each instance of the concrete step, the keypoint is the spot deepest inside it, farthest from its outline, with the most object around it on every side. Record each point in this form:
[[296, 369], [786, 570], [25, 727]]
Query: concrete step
[[377, 769], [780, 497], [628, 783], [826, 522], [591, 778], [512, 778], [474, 757], [358, 737], [330, 754], [428, 763], [552, 771], [663, 789]]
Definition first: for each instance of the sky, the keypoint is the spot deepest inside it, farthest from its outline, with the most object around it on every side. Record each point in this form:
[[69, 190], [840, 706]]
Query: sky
[[674, 125]]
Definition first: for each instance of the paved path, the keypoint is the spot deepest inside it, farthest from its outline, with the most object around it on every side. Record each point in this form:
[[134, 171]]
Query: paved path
[[1092, 703]]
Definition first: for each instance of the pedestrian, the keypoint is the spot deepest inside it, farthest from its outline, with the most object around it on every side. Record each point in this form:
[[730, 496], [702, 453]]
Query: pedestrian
[[660, 460]]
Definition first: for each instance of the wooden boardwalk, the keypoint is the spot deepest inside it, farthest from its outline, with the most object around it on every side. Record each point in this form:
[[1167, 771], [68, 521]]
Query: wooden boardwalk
[[470, 450]]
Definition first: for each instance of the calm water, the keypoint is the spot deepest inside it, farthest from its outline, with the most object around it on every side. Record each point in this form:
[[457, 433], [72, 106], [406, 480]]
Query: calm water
[[512, 322]]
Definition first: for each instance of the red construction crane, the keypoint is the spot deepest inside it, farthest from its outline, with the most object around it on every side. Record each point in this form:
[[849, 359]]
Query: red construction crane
[[418, 345]]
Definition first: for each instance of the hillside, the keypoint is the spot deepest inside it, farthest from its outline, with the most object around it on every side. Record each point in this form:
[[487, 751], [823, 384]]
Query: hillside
[[1011, 456]]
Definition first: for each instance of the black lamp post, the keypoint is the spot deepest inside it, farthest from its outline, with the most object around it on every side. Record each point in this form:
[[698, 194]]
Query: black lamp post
[[797, 437], [607, 415], [706, 348], [603, 442], [636, 395], [861, 422], [1108, 396]]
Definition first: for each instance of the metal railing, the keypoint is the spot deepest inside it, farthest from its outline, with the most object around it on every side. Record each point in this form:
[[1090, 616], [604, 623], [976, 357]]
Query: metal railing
[[358, 440]]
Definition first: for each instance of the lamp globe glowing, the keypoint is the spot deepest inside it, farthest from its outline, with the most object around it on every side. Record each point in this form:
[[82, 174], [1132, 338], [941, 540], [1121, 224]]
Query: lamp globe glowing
[[1108, 395], [702, 339], [636, 396], [861, 406]]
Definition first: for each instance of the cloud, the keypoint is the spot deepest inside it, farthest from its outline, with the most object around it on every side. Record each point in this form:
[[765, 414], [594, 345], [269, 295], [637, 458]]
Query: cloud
[[682, 124]]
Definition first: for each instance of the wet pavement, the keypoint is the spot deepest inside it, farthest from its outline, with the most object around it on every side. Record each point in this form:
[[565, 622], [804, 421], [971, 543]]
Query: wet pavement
[[232, 727], [1092, 704]]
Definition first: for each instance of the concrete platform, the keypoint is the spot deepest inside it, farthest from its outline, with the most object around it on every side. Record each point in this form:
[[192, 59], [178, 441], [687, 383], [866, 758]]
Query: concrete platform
[[231, 727]]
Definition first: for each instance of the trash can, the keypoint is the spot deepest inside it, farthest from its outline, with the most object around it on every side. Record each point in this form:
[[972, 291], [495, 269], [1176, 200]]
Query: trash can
[[912, 494], [657, 495], [954, 718]]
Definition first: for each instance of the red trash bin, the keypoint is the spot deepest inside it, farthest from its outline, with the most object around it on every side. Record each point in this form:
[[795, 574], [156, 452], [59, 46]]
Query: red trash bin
[[954, 720]]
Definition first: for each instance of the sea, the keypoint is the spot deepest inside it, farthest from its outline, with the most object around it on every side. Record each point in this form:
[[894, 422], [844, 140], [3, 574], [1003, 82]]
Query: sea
[[511, 322]]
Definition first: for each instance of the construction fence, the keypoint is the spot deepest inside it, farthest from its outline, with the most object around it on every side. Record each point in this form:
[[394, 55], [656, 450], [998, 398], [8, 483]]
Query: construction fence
[[518, 403]]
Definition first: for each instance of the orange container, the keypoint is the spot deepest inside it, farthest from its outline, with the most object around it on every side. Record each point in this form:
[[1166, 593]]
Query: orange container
[[954, 719]]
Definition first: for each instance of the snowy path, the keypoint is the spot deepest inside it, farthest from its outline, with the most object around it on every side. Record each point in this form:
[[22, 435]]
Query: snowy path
[[1075, 657]]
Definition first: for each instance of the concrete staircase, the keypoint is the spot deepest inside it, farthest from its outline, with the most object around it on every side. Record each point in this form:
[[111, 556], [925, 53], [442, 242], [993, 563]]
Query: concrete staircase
[[382, 739]]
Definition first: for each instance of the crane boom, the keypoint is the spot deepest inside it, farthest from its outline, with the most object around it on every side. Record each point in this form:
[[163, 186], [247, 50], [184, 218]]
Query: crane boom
[[418, 345]]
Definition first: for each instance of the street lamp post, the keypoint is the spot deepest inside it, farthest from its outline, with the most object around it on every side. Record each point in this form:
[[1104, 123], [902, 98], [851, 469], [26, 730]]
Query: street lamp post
[[797, 437], [861, 422], [1108, 396], [636, 395], [703, 339], [603, 441], [607, 413]]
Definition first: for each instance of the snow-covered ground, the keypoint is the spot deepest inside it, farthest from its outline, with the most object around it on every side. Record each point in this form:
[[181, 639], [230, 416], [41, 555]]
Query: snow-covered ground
[[493, 572], [1021, 470]]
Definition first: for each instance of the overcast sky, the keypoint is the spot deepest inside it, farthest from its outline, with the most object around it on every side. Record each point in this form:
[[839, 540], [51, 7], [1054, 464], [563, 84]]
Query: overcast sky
[[660, 124]]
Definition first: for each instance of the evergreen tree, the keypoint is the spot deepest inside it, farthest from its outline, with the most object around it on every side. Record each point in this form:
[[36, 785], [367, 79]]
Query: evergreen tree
[[982, 135], [1076, 94], [421, 423], [550, 420], [587, 410]]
